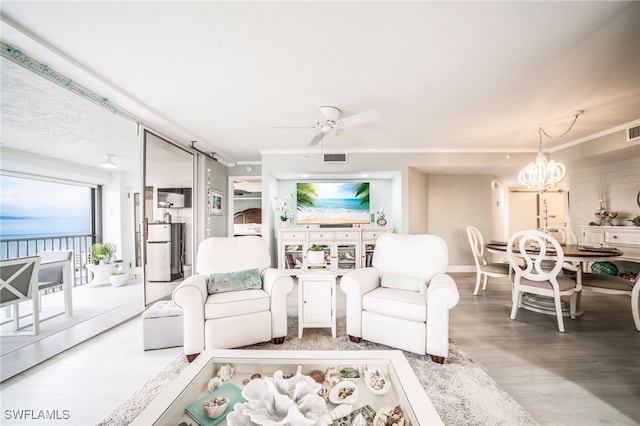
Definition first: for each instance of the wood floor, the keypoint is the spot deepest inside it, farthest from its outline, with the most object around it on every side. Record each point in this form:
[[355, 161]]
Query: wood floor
[[589, 375]]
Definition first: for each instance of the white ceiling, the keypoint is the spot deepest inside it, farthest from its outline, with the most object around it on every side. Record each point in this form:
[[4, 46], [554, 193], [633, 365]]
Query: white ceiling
[[453, 76]]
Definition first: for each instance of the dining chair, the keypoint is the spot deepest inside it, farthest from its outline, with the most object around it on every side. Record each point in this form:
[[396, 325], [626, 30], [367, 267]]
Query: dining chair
[[19, 283], [537, 261], [610, 284], [566, 236], [484, 268]]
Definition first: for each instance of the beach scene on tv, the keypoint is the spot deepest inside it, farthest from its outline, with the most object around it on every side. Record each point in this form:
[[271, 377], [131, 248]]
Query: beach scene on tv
[[332, 203]]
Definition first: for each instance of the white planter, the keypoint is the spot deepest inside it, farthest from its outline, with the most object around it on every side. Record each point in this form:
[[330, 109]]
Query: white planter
[[315, 257], [101, 273], [119, 280]]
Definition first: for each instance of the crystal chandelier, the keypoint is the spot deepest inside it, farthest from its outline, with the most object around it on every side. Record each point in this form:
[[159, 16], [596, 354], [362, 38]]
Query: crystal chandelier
[[543, 174]]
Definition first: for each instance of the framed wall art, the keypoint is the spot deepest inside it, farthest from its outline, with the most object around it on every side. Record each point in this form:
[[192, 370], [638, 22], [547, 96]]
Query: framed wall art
[[216, 202]]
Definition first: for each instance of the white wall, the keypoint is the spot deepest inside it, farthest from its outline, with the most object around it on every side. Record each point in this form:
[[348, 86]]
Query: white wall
[[456, 201], [620, 183], [418, 187]]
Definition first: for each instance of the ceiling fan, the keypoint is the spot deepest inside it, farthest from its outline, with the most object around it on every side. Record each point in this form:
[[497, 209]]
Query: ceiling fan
[[332, 122]]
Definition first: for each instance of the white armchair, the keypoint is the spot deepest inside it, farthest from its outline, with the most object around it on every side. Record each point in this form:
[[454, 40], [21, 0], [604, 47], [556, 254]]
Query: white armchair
[[236, 318], [404, 299]]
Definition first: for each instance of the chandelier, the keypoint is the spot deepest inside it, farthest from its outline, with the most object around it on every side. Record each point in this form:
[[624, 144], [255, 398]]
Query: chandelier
[[542, 174]]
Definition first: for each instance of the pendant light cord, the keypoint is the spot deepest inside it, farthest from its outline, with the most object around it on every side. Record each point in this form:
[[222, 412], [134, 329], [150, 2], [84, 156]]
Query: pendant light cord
[[541, 131]]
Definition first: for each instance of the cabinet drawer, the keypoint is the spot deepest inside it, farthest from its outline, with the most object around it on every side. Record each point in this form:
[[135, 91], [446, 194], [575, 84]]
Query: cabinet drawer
[[321, 235], [621, 237], [347, 235], [293, 235], [373, 234]]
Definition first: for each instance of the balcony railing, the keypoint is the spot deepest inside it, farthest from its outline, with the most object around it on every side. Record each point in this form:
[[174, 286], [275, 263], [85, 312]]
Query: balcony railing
[[80, 244]]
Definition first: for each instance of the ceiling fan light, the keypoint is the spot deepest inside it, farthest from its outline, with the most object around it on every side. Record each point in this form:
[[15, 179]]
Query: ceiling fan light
[[109, 164]]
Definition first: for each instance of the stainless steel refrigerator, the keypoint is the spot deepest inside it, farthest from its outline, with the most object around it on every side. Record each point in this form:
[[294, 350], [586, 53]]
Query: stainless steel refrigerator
[[165, 251]]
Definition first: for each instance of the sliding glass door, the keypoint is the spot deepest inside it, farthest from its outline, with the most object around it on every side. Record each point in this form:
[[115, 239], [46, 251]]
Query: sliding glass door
[[167, 227]]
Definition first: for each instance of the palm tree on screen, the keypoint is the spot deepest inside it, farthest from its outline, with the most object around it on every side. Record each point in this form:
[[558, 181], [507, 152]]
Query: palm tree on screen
[[362, 192], [305, 194]]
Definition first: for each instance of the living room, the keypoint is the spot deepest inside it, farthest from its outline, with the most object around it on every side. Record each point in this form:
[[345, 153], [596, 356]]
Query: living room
[[439, 185]]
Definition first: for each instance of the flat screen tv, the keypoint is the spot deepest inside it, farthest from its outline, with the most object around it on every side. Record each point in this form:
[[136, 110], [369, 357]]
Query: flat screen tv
[[332, 203], [174, 197]]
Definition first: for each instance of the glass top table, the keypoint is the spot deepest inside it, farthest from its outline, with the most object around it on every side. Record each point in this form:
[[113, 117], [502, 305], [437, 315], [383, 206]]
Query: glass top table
[[192, 384]]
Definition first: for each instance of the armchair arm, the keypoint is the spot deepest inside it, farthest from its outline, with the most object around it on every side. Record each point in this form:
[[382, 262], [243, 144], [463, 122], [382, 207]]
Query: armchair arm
[[442, 296], [278, 285], [355, 284], [191, 296]]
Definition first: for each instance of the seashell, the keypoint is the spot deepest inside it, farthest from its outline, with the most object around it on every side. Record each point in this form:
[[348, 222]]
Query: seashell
[[359, 421], [332, 376], [225, 372], [324, 393], [214, 407], [215, 383], [317, 375], [391, 416], [341, 411]]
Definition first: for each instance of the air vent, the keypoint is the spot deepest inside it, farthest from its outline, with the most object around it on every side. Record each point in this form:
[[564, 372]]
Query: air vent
[[334, 158], [633, 133]]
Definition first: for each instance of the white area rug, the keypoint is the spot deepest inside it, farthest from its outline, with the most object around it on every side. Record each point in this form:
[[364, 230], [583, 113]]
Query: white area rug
[[460, 390]]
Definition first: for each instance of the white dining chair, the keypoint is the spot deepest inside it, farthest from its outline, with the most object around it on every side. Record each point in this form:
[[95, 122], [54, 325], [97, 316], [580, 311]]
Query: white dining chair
[[537, 261], [610, 284], [484, 268], [566, 236]]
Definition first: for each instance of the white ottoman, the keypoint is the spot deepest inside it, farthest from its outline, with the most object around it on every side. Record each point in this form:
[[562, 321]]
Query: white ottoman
[[162, 326]]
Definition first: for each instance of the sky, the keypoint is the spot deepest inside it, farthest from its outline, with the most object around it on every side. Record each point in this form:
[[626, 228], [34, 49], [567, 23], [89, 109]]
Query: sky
[[34, 208], [33, 198]]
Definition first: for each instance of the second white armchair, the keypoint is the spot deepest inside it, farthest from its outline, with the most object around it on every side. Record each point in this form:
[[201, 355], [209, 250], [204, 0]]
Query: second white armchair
[[404, 299]]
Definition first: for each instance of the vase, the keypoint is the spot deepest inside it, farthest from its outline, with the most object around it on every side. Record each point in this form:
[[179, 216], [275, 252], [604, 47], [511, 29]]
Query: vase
[[315, 257]]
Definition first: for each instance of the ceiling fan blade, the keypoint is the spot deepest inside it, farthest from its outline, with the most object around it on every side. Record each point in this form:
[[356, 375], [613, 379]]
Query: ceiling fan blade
[[364, 117], [316, 139], [292, 127]]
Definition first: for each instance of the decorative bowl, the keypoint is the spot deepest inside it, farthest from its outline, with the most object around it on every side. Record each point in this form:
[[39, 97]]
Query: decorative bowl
[[376, 381], [345, 392]]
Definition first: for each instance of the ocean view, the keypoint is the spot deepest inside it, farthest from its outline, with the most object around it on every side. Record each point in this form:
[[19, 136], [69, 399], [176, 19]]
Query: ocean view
[[42, 226], [34, 208]]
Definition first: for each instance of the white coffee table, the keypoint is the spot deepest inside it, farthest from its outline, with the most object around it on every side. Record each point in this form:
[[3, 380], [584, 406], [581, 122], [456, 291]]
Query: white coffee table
[[169, 407]]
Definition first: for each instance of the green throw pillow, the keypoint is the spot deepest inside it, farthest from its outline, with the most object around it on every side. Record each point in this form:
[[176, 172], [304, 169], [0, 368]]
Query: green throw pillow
[[234, 281]]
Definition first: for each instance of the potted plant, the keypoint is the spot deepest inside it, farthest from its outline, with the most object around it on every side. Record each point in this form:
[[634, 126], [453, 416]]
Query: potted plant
[[315, 254], [118, 278], [102, 252]]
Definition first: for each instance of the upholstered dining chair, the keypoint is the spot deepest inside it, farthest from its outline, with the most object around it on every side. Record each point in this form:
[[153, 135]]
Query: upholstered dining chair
[[566, 236], [609, 284], [403, 300], [484, 268], [235, 299], [19, 283], [537, 261]]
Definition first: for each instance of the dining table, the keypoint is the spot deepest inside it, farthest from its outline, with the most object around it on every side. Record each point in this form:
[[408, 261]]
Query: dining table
[[577, 254]]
